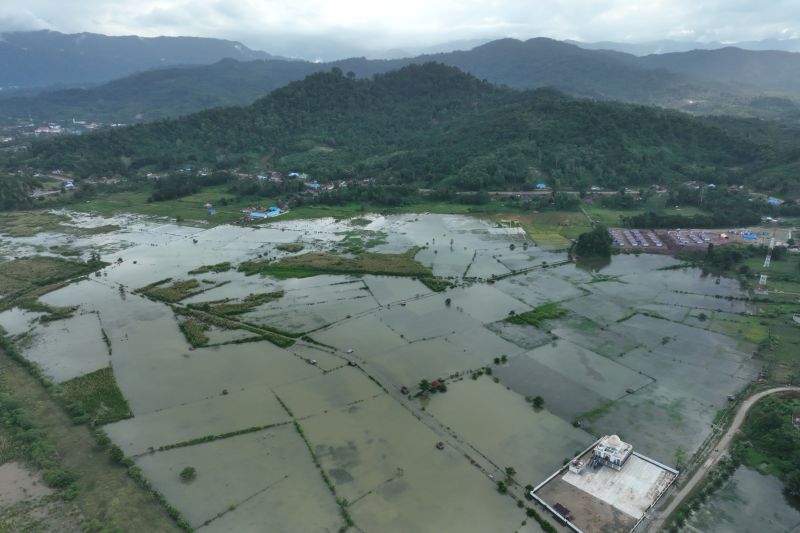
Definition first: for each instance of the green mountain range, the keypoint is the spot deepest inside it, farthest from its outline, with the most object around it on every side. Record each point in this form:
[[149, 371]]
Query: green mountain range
[[433, 125], [727, 81], [44, 58]]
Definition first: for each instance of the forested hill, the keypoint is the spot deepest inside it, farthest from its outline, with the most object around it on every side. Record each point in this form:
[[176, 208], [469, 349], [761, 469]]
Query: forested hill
[[766, 70], [519, 64], [428, 125], [161, 93], [170, 92], [42, 58]]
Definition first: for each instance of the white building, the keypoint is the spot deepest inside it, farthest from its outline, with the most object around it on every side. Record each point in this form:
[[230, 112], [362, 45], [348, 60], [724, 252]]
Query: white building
[[612, 451]]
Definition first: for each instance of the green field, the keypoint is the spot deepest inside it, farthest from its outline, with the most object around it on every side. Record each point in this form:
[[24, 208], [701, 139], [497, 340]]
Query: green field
[[186, 208], [29, 223], [27, 278], [98, 396], [613, 217]]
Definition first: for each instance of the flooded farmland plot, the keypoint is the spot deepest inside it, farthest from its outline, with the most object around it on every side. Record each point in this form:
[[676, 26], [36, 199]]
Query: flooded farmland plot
[[383, 371], [748, 502], [79, 336]]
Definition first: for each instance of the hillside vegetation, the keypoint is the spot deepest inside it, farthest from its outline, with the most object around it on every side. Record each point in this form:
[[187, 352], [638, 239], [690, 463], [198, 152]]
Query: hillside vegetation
[[429, 125], [729, 81]]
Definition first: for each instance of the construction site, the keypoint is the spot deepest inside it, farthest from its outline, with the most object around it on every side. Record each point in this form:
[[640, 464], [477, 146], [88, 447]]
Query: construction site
[[607, 488]]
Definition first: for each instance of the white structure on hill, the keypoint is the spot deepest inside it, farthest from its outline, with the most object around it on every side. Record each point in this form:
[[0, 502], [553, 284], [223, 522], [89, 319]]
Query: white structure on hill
[[612, 451]]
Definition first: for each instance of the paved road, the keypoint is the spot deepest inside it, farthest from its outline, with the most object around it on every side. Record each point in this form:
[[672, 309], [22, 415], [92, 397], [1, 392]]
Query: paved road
[[720, 450]]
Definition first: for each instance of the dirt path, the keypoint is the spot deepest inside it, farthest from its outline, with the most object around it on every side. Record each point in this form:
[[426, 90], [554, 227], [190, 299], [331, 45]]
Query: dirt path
[[106, 493], [720, 450]]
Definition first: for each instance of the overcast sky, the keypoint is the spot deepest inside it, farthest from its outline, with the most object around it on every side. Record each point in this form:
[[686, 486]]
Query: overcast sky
[[375, 24]]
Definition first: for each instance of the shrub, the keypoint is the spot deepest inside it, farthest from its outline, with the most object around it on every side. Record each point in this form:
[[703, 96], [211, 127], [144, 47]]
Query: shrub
[[117, 455], [59, 478], [188, 474]]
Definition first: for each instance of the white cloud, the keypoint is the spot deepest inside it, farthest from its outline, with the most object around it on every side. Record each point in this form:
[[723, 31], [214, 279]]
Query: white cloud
[[18, 19], [374, 24]]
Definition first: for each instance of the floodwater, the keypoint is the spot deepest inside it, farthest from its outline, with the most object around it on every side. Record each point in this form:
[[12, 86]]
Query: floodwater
[[749, 502], [17, 321], [68, 348], [632, 356]]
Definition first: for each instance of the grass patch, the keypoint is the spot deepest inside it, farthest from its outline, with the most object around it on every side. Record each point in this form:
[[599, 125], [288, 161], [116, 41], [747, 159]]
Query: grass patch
[[291, 247], [359, 221], [51, 313], [435, 284], [30, 223], [186, 208], [24, 274], [597, 413], [551, 228], [211, 438], [175, 292], [537, 315], [218, 268], [230, 307], [317, 263], [603, 278], [195, 332], [27, 443], [98, 396], [359, 241], [750, 328], [277, 338]]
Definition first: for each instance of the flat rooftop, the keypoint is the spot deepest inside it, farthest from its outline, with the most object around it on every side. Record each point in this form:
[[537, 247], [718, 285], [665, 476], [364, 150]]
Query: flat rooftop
[[606, 500]]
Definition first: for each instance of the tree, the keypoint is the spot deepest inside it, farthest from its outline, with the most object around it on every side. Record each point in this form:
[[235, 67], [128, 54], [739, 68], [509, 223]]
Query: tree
[[594, 243], [501, 487], [424, 386], [779, 253], [792, 485], [188, 474], [538, 402], [510, 472]]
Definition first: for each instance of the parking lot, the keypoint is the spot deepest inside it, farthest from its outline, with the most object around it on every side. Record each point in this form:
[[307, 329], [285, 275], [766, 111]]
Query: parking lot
[[667, 241]]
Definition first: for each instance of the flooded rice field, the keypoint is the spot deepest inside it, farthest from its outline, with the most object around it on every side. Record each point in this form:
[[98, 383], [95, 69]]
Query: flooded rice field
[[297, 399], [748, 502]]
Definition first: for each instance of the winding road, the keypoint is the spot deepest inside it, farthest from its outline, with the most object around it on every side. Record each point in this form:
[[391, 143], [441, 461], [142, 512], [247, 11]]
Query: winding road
[[720, 450]]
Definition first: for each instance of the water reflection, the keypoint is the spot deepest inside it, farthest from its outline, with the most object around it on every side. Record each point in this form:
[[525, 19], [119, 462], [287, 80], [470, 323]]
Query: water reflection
[[592, 264]]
